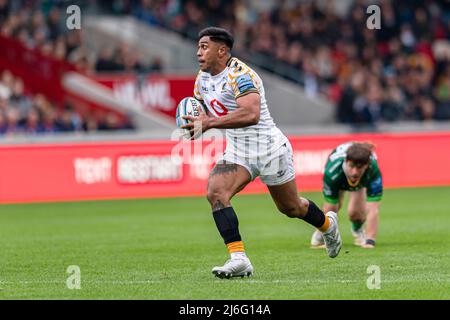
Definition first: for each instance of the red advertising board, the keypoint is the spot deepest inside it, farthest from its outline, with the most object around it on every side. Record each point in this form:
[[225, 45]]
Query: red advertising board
[[105, 170]]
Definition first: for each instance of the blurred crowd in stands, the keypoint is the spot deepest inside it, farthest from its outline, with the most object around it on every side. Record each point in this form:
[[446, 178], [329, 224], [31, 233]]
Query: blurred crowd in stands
[[400, 72], [41, 25], [22, 113]]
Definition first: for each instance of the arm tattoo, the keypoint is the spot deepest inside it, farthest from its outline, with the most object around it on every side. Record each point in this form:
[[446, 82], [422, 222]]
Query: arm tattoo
[[222, 168]]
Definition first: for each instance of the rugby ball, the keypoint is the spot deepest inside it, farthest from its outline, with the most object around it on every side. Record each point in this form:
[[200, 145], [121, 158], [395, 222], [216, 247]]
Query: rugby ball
[[189, 106]]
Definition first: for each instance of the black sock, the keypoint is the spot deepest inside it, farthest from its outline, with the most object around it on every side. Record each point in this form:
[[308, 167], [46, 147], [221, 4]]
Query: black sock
[[314, 216], [228, 225]]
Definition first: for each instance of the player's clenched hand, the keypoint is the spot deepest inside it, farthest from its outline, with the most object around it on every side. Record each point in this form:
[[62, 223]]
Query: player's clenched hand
[[197, 125]]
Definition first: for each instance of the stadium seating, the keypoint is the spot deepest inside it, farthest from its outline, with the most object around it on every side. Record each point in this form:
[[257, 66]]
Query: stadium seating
[[400, 72], [31, 98]]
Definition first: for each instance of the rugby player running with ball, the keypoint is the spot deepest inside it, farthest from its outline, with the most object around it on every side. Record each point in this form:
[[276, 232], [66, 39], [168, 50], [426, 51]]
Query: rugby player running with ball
[[234, 95]]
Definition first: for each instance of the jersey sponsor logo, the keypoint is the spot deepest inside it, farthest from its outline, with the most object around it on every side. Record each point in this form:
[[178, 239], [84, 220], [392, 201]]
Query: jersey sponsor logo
[[218, 108], [204, 89], [244, 83]]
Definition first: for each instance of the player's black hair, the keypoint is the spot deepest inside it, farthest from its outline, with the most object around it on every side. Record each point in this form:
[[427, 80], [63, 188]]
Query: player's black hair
[[217, 34], [359, 153]]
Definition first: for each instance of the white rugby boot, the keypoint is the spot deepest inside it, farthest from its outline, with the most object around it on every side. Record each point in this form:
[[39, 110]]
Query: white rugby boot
[[359, 237], [317, 240], [237, 267], [332, 237]]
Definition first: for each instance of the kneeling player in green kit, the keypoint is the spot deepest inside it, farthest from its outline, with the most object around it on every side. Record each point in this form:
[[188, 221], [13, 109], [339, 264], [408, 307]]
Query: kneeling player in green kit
[[353, 167]]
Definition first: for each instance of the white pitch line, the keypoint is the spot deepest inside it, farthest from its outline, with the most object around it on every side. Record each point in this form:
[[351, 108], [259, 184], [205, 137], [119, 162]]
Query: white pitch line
[[216, 281], [85, 281]]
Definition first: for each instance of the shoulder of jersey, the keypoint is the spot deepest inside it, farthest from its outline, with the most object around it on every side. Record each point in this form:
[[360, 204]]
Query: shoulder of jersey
[[236, 68]]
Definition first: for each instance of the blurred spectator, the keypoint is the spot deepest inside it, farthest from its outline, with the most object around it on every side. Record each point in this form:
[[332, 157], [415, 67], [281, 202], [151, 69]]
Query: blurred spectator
[[367, 106], [4, 10], [18, 99], [394, 102], [33, 123], [54, 23], [345, 110], [90, 124], [2, 123], [69, 121], [156, 65], [12, 121], [105, 60], [112, 122]]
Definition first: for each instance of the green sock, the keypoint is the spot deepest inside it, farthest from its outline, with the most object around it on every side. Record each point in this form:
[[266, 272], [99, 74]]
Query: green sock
[[356, 225]]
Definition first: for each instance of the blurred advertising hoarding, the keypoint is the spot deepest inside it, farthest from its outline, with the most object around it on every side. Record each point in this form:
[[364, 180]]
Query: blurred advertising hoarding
[[150, 92], [116, 170]]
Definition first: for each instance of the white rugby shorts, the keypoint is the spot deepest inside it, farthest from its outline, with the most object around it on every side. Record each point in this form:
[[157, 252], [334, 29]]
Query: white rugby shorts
[[273, 168]]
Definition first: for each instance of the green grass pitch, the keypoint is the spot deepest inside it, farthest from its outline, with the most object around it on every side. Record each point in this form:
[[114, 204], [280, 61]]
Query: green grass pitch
[[165, 249]]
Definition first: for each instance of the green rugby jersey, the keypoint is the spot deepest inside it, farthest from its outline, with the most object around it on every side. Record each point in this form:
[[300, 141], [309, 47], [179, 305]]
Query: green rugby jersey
[[334, 179]]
